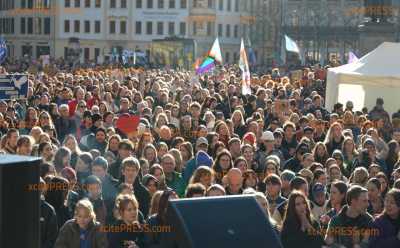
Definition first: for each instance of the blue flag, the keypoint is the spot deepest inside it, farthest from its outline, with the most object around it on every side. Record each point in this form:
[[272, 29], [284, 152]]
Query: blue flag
[[3, 50]]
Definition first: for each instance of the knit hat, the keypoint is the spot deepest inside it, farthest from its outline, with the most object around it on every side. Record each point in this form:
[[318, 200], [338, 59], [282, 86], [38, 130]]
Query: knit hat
[[250, 137], [101, 161], [68, 173], [203, 158], [288, 175], [318, 188]]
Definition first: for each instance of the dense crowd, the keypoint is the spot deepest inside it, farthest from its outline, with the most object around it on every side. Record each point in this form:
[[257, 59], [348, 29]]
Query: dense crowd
[[323, 177]]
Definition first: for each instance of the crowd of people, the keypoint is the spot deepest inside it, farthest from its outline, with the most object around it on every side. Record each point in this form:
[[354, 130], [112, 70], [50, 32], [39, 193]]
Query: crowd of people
[[323, 177]]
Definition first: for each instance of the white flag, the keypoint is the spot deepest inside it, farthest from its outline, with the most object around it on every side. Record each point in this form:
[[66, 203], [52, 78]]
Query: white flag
[[215, 51], [291, 45], [244, 66]]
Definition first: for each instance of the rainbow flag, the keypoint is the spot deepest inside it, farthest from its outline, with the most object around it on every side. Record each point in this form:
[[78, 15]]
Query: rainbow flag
[[213, 56]]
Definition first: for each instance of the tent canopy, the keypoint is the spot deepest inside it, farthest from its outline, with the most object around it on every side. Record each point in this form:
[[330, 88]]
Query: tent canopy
[[377, 74]]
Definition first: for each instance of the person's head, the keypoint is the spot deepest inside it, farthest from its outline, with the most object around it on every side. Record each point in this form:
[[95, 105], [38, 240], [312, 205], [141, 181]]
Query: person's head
[[297, 207], [392, 203], [286, 178], [151, 183], [334, 173], [319, 194], [201, 144], [359, 176], [57, 191], [273, 185], [268, 140], [150, 153], [223, 161], [299, 183], [235, 180], [128, 208], [12, 137], [155, 201], [62, 158], [374, 188], [24, 145], [195, 190], [186, 150], [84, 213], [130, 169], [384, 182], [357, 198], [69, 174], [100, 167], [125, 148], [241, 164], [215, 190], [203, 175], [168, 163], [93, 187], [338, 193]]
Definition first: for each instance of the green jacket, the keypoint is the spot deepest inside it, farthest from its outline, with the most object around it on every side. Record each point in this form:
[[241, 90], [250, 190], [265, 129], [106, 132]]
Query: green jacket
[[177, 183]]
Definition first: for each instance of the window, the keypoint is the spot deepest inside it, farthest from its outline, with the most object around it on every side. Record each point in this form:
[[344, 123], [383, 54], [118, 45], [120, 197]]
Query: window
[[77, 3], [96, 53], [138, 28], [13, 24], [149, 28], [171, 28], [194, 28], [87, 26], [30, 25], [97, 3], [122, 27], [210, 4], [183, 4], [220, 30], [124, 4], [97, 27], [87, 3], [236, 31], [227, 57], [160, 28], [86, 53], [172, 4], [66, 26], [149, 4], [77, 26], [47, 25], [229, 7], [138, 4], [160, 4], [23, 4], [38, 25], [209, 28], [221, 5], [237, 5], [30, 4], [182, 28], [112, 27], [23, 25], [66, 52], [113, 4], [67, 3], [228, 30]]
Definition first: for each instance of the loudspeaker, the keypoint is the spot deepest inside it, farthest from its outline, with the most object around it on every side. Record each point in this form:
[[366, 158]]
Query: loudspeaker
[[230, 221], [19, 201]]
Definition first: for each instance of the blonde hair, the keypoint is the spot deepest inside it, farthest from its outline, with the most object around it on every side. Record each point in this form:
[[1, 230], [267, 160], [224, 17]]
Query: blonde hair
[[86, 205], [122, 202], [155, 200]]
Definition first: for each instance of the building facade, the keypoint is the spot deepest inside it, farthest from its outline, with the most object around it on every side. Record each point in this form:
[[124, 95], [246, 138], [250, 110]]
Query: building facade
[[28, 27], [97, 29]]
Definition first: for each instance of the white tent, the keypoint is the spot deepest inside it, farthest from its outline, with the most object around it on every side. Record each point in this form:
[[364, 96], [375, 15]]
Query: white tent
[[377, 74]]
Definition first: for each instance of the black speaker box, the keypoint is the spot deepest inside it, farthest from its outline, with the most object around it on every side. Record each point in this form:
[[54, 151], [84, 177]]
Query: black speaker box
[[19, 202], [231, 221]]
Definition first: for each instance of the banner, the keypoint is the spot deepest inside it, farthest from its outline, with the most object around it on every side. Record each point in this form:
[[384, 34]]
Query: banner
[[3, 50], [13, 86], [244, 66]]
